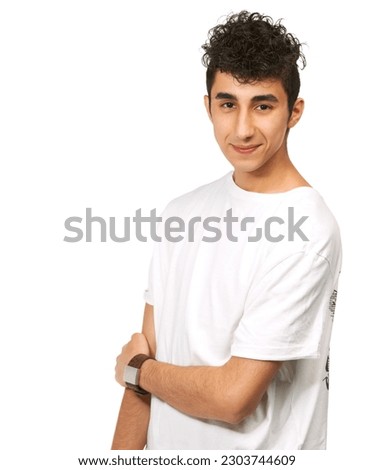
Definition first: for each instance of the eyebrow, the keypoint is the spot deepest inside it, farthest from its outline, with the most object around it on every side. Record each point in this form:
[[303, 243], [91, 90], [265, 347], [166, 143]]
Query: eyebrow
[[255, 99]]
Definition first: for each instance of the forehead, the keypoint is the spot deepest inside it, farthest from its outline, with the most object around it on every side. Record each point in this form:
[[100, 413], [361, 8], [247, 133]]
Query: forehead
[[226, 83]]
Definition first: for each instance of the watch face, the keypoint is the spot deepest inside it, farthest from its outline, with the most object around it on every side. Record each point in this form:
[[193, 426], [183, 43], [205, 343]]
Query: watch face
[[131, 375]]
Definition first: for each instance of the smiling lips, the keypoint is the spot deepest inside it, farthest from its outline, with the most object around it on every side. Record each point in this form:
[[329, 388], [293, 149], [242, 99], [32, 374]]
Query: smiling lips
[[245, 149]]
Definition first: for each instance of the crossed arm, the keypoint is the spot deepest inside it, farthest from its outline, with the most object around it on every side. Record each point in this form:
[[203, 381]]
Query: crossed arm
[[228, 393]]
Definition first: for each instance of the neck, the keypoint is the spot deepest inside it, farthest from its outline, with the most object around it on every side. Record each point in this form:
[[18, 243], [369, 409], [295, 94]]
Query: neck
[[273, 177]]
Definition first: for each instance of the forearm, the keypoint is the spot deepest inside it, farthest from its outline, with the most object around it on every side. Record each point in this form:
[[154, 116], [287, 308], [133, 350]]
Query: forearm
[[199, 391], [132, 423]]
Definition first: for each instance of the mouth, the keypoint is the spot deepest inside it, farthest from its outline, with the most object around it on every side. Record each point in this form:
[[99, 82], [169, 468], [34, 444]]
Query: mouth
[[245, 149]]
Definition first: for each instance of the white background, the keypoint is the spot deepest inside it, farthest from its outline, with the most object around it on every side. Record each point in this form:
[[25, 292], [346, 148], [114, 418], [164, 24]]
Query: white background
[[102, 107]]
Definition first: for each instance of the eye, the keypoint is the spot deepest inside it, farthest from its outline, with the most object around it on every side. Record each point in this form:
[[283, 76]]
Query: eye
[[228, 105], [264, 107]]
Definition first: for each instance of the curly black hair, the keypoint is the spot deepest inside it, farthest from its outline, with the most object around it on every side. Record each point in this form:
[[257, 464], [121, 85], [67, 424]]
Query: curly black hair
[[252, 47]]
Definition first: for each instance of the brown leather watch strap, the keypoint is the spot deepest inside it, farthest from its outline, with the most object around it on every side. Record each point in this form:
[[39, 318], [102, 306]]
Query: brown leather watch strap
[[136, 362]]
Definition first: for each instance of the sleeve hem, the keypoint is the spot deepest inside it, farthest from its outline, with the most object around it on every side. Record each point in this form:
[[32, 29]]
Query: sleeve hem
[[275, 354], [147, 296]]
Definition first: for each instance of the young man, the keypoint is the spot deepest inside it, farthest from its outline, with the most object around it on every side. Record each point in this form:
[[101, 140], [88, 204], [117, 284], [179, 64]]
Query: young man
[[237, 324]]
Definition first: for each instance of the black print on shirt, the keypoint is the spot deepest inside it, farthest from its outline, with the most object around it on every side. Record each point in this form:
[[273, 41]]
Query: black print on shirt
[[332, 303], [332, 306], [327, 369]]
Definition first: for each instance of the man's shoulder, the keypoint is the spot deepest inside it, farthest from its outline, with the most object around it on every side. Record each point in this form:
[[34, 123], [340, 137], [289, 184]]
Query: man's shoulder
[[305, 211], [197, 196], [310, 203]]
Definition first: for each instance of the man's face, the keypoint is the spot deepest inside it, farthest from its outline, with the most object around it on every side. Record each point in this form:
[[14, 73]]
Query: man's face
[[251, 121]]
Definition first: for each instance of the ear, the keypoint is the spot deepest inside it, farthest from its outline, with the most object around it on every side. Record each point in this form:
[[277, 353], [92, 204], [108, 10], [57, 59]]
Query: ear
[[297, 112], [207, 106]]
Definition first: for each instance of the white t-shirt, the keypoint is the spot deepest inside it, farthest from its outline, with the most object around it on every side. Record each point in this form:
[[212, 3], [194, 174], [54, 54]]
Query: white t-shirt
[[267, 294]]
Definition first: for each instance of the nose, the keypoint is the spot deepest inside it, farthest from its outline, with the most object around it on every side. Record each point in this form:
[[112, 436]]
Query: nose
[[244, 126]]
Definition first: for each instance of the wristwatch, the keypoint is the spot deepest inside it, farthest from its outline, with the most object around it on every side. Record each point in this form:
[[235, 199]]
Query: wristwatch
[[132, 373]]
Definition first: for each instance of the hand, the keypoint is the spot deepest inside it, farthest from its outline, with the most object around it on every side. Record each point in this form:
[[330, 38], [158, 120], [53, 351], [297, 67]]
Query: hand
[[137, 345]]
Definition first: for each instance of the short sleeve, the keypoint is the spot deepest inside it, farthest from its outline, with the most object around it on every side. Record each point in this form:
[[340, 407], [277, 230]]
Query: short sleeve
[[148, 293], [148, 297], [285, 312]]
